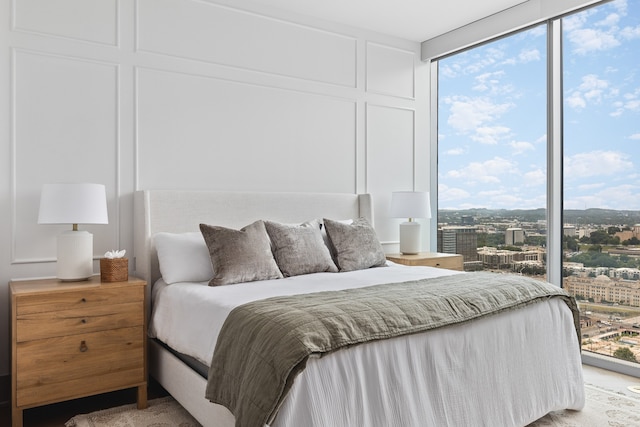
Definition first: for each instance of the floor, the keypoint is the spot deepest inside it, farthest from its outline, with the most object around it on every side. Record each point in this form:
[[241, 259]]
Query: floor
[[56, 415], [612, 381]]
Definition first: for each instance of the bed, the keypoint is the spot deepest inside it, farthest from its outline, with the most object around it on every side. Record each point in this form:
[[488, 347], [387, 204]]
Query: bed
[[506, 369]]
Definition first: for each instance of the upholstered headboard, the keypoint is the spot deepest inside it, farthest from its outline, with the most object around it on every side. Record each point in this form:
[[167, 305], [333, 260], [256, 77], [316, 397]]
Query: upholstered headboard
[[177, 211]]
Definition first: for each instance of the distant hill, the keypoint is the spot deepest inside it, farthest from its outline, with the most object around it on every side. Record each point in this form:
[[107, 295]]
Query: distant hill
[[571, 216]]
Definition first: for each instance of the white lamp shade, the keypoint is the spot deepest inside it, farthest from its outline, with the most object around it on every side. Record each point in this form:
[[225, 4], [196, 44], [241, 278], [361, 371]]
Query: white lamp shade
[[73, 204], [410, 204]]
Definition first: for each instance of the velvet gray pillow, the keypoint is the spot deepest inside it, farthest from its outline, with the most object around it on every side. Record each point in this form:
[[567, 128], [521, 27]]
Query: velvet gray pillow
[[356, 245], [240, 255], [299, 249]]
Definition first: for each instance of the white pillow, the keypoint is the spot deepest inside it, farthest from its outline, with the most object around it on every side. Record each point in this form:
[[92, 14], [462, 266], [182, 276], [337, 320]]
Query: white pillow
[[183, 257]]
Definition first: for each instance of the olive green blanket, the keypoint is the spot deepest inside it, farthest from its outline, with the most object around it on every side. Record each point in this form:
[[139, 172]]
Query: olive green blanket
[[264, 344]]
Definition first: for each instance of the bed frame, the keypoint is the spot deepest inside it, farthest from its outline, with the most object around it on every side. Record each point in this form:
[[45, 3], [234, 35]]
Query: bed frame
[[182, 211]]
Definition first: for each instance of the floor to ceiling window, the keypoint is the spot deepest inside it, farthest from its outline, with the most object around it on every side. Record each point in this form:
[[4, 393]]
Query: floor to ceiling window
[[493, 119], [601, 76], [492, 154]]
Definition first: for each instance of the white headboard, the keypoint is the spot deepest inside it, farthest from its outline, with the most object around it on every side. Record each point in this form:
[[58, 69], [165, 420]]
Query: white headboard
[[177, 211]]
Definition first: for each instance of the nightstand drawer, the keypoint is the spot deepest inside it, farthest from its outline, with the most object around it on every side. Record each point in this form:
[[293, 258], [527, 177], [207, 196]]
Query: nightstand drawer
[[88, 299], [77, 321], [430, 259], [79, 365]]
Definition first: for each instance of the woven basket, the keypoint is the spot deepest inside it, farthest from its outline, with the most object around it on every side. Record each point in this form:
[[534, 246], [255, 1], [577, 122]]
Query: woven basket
[[114, 270]]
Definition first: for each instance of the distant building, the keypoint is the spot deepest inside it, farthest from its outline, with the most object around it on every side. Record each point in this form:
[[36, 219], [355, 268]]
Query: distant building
[[513, 236], [459, 240], [467, 220], [500, 259], [629, 234], [603, 288], [569, 230]]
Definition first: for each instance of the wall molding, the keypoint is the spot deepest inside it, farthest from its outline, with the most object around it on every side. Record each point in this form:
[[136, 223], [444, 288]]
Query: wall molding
[[114, 219], [348, 38], [413, 54], [15, 27]]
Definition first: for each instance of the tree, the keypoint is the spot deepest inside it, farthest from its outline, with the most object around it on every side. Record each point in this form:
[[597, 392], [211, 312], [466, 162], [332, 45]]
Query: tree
[[625, 353], [632, 241]]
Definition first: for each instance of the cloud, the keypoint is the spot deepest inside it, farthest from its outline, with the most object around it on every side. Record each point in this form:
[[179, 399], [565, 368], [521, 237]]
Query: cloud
[[528, 55], [447, 194], [468, 114], [490, 135], [615, 197], [575, 100], [592, 86], [586, 187], [458, 151], [486, 172], [590, 90], [487, 81], [542, 139], [535, 178], [605, 33], [630, 33], [610, 20], [596, 163], [519, 147], [586, 40], [635, 136], [620, 6]]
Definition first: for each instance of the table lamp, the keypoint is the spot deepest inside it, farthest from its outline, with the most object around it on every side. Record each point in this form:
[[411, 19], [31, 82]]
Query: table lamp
[[410, 204], [74, 204]]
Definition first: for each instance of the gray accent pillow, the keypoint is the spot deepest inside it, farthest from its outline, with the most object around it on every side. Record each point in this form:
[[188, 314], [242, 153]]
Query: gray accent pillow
[[356, 245], [299, 249], [240, 255]]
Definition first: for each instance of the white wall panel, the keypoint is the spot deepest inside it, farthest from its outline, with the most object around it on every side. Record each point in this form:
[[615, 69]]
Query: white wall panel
[[390, 159], [199, 132], [215, 94], [208, 32], [90, 21], [390, 71], [65, 130]]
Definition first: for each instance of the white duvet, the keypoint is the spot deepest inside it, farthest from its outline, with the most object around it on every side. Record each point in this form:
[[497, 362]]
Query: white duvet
[[504, 370]]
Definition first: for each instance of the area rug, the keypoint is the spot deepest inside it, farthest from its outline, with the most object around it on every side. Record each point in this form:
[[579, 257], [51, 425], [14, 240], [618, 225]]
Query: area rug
[[162, 412], [603, 409]]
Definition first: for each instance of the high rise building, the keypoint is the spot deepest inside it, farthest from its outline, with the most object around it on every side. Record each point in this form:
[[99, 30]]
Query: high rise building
[[459, 240], [513, 236]]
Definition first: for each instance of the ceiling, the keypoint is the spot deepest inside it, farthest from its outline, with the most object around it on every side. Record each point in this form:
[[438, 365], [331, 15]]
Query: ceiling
[[416, 20]]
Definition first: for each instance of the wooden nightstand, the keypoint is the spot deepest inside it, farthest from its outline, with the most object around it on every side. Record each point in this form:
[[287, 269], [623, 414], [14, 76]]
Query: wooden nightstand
[[430, 259], [76, 339]]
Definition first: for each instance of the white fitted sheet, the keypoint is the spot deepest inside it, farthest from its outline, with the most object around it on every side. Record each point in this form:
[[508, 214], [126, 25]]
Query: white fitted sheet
[[503, 370]]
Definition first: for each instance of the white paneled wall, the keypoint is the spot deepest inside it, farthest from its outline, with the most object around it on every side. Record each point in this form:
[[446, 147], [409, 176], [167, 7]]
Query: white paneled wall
[[194, 94]]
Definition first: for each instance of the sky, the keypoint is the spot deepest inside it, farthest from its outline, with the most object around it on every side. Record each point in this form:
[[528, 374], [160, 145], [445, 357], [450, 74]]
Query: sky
[[492, 116]]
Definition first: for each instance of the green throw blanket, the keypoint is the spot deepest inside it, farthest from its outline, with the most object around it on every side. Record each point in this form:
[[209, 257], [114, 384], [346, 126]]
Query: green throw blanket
[[264, 344]]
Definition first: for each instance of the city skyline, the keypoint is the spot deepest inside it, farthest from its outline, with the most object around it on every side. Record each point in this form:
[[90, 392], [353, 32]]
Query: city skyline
[[492, 116]]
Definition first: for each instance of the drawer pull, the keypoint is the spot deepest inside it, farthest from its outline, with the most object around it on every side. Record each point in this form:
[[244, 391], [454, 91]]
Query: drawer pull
[[83, 347], [83, 300], [83, 321]]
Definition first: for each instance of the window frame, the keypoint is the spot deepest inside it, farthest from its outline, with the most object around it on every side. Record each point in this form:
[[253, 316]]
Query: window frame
[[555, 167]]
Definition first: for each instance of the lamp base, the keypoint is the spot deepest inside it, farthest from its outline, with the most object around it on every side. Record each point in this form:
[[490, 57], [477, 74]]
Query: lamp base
[[410, 238], [75, 256]]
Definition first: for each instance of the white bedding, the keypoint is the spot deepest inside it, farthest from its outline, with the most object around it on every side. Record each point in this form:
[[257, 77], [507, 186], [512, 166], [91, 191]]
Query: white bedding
[[476, 374], [188, 316]]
